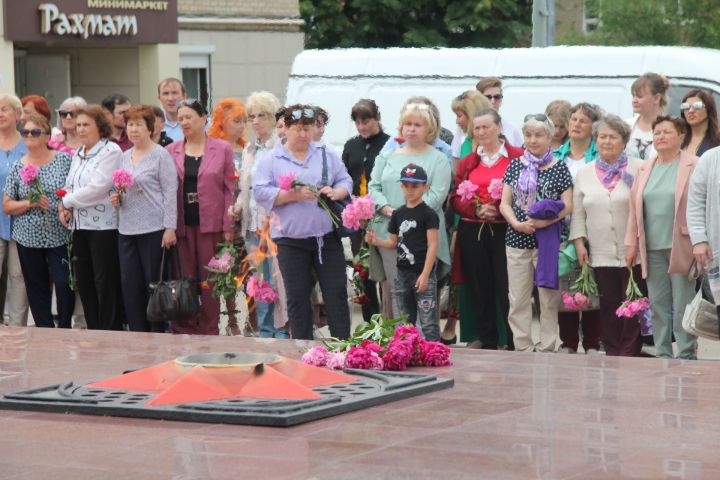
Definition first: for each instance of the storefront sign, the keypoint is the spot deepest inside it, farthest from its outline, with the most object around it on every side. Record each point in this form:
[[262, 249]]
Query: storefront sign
[[73, 21]]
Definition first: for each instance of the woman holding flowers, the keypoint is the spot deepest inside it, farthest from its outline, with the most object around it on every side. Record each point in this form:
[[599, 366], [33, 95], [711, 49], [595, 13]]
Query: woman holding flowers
[[85, 207], [147, 215], [418, 129], [30, 197], [261, 107], [601, 196], [658, 232], [297, 177], [530, 179], [479, 259], [205, 172]]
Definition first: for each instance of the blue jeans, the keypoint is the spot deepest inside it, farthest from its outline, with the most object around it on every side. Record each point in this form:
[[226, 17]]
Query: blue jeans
[[420, 307], [265, 311]]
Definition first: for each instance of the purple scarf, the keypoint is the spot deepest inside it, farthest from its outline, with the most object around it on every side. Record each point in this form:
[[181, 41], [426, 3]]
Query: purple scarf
[[526, 187], [617, 169]]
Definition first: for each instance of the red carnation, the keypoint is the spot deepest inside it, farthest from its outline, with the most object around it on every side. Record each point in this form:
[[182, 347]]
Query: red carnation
[[399, 139], [234, 178], [205, 285], [60, 192]]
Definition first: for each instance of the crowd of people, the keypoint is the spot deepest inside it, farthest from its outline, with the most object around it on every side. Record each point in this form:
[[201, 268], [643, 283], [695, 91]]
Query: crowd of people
[[631, 199]]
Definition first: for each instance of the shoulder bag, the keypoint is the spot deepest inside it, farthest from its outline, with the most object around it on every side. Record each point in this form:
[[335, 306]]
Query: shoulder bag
[[173, 300], [337, 206]]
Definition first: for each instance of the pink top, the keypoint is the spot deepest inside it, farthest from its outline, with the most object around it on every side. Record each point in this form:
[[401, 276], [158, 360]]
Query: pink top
[[56, 143]]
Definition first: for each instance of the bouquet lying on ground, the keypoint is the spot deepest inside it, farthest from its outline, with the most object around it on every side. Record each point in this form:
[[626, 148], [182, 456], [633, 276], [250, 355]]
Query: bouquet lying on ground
[[29, 174], [580, 294], [289, 181], [636, 304], [380, 344], [468, 191], [359, 215]]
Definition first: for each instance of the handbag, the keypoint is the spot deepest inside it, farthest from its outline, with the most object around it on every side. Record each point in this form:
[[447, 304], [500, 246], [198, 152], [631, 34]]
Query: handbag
[[701, 318], [567, 259], [336, 206], [173, 300]]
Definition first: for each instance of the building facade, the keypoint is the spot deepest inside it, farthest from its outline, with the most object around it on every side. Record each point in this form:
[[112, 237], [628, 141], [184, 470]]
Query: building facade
[[91, 48]]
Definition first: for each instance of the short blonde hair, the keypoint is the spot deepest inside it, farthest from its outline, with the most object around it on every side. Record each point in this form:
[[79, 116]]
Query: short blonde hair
[[420, 110], [263, 101], [13, 101], [532, 123], [470, 103]]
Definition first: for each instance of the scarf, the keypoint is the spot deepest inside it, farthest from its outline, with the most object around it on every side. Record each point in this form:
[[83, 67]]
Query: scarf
[[526, 188], [612, 171]]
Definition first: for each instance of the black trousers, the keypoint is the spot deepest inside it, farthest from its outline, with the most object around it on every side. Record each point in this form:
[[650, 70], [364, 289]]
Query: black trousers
[[140, 257], [35, 263], [485, 272], [97, 274], [372, 306], [298, 258]]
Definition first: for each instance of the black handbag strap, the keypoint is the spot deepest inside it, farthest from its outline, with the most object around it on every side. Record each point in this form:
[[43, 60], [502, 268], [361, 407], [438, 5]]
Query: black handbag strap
[[324, 179], [176, 257]]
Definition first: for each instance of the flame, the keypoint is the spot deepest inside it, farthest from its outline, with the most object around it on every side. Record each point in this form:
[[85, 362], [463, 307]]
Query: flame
[[266, 248]]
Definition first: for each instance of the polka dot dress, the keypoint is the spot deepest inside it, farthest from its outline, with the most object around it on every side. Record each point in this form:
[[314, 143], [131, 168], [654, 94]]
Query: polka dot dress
[[552, 182]]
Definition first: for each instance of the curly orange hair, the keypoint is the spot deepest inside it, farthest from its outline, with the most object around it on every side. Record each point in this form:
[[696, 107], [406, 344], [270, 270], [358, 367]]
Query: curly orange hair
[[227, 108]]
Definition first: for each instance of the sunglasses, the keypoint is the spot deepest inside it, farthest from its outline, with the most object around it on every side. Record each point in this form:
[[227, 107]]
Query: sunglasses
[[694, 106], [497, 97], [299, 113], [195, 105], [540, 117], [417, 106], [66, 113], [35, 132]]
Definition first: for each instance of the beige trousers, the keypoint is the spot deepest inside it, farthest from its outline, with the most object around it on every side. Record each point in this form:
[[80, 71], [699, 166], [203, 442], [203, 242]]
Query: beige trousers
[[16, 302], [521, 272]]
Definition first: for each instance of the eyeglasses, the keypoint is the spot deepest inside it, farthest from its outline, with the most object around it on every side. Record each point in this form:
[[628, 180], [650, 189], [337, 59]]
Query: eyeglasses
[[66, 113], [540, 117], [35, 132], [497, 97], [299, 113], [417, 106], [694, 106]]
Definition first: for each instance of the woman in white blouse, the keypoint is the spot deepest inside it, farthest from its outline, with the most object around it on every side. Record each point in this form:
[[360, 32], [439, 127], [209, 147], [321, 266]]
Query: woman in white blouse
[[600, 214], [87, 210]]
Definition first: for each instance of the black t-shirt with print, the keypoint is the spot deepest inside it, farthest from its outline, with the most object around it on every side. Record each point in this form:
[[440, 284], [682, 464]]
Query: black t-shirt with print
[[411, 226], [551, 184]]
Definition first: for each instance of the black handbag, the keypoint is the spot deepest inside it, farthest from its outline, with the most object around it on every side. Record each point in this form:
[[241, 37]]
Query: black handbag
[[173, 300], [336, 206]]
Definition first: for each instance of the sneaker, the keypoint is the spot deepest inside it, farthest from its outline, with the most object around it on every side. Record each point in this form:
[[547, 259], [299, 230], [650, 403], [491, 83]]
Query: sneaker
[[592, 352], [567, 350]]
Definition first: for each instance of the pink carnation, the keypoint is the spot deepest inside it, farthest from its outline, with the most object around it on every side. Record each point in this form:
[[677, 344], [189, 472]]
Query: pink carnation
[[336, 360], [122, 179], [317, 356], [466, 190], [29, 173], [495, 189], [434, 354], [287, 181], [356, 215], [222, 264], [359, 357], [260, 290]]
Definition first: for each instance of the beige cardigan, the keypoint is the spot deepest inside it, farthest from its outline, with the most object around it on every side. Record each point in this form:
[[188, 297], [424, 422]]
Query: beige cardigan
[[601, 216]]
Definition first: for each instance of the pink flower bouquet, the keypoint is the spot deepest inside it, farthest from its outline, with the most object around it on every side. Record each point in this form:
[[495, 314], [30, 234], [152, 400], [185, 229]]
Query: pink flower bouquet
[[260, 290], [224, 270], [636, 304], [380, 345], [581, 293], [495, 189], [359, 213], [289, 181], [469, 192], [122, 180], [29, 174]]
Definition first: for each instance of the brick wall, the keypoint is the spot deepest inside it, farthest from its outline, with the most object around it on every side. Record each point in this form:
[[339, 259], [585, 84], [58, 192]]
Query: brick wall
[[249, 8]]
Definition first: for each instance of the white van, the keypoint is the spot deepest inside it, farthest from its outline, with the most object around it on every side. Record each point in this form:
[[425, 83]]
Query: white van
[[532, 77]]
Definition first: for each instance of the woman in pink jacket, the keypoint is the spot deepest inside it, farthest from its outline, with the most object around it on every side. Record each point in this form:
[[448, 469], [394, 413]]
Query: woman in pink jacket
[[657, 231], [205, 192]]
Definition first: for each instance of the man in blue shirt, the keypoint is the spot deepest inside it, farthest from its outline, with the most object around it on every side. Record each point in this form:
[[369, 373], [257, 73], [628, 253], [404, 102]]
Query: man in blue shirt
[[171, 91]]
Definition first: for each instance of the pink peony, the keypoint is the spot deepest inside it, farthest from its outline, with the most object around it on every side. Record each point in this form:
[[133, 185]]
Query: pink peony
[[371, 346], [29, 173], [222, 264], [398, 354], [356, 215], [466, 190], [495, 189], [336, 360], [359, 357], [260, 290], [287, 181], [434, 354], [317, 356], [122, 180]]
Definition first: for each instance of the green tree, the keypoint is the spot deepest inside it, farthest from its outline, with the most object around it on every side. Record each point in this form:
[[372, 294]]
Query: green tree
[[420, 23], [654, 22]]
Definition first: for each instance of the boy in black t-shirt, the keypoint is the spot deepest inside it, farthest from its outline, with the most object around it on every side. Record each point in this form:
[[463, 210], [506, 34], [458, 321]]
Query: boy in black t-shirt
[[414, 231]]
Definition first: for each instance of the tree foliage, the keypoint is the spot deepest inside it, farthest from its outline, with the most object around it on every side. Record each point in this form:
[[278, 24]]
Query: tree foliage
[[655, 22], [420, 23]]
